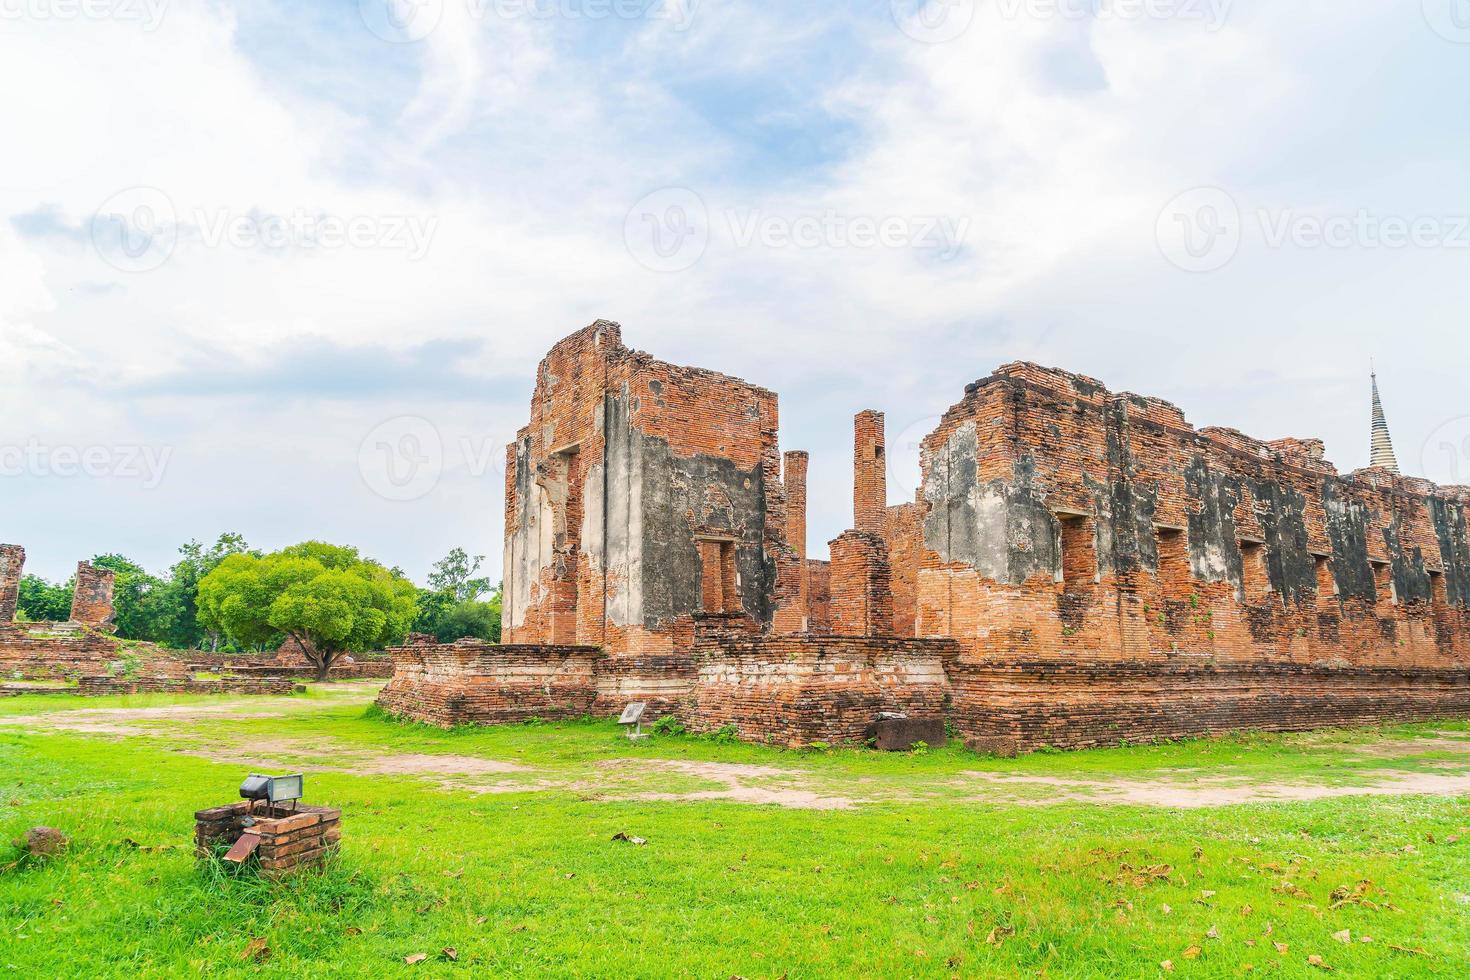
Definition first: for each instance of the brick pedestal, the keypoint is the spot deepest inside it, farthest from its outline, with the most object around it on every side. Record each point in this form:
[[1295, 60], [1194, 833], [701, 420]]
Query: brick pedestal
[[288, 840]]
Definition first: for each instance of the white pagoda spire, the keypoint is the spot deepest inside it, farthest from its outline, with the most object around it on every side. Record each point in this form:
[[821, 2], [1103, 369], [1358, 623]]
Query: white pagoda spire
[[1382, 445]]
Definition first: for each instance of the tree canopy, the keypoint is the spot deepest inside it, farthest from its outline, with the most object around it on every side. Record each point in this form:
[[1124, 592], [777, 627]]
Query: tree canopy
[[327, 597]]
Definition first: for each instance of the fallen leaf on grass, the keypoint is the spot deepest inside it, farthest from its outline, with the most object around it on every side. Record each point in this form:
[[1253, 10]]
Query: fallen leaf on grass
[[1345, 937], [1318, 962], [257, 949], [450, 953], [998, 935], [1246, 910], [1192, 953], [1213, 933], [352, 931], [454, 874], [1167, 966], [631, 840], [1167, 909], [415, 958], [1282, 948], [1405, 949]]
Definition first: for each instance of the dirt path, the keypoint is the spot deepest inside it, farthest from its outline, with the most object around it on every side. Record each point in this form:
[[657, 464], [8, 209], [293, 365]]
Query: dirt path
[[653, 779]]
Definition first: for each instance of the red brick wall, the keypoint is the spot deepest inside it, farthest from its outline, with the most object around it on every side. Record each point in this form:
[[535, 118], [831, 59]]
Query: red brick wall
[[819, 595], [693, 457], [904, 537], [486, 683], [861, 603], [793, 690]]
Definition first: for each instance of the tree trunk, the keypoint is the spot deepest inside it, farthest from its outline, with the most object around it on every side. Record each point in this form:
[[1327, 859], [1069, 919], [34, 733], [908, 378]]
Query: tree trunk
[[323, 662]]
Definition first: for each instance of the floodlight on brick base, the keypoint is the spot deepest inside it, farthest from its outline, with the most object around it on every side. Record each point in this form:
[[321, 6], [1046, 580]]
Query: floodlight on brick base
[[271, 825]]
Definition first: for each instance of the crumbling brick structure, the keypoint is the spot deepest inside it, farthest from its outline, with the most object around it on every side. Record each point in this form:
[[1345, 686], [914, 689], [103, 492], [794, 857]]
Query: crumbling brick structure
[[1104, 571], [12, 563], [91, 603], [1111, 573]]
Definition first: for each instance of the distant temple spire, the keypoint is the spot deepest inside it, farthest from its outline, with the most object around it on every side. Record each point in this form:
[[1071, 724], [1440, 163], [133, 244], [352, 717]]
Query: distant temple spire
[[1383, 456]]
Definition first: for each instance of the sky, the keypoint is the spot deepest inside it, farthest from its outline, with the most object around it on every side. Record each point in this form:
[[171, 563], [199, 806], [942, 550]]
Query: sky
[[287, 269]]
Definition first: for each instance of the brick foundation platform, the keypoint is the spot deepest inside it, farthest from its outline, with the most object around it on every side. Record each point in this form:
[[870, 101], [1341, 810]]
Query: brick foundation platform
[[290, 839], [485, 683], [103, 686], [1029, 704]]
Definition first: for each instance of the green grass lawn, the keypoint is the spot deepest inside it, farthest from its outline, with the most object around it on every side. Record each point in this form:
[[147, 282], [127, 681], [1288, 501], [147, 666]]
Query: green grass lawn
[[924, 881]]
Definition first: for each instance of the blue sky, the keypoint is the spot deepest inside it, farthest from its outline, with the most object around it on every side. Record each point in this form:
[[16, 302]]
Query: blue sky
[[182, 305]]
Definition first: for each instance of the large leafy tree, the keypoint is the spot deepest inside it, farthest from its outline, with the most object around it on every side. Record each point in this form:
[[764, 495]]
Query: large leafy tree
[[327, 597]]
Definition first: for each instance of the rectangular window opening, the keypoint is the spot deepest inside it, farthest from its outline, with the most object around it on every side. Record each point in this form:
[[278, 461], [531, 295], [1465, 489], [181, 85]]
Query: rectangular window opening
[[1326, 586], [1255, 581], [1079, 553]]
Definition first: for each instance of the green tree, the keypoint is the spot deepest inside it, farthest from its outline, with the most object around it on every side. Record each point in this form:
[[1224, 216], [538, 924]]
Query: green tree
[[140, 600], [327, 597], [455, 574], [41, 602], [195, 562]]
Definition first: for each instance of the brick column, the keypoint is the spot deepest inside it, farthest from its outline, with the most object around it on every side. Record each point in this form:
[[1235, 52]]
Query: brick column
[[12, 561], [869, 473], [862, 601], [794, 472], [91, 603]]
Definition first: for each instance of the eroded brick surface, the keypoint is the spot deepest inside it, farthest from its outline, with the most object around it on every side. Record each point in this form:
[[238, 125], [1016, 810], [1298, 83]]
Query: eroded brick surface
[[91, 603], [12, 565]]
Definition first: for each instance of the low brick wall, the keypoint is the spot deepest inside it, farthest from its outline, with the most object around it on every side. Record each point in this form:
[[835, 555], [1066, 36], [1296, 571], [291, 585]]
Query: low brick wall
[[664, 683], [39, 651], [102, 686], [486, 683], [289, 838], [1085, 705], [793, 690]]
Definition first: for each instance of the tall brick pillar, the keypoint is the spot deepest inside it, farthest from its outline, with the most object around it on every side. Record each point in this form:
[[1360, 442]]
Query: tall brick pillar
[[869, 473], [794, 476], [12, 561], [91, 603]]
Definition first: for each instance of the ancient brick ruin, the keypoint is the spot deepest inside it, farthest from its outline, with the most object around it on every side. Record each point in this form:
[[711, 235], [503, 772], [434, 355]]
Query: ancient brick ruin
[[1078, 568]]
